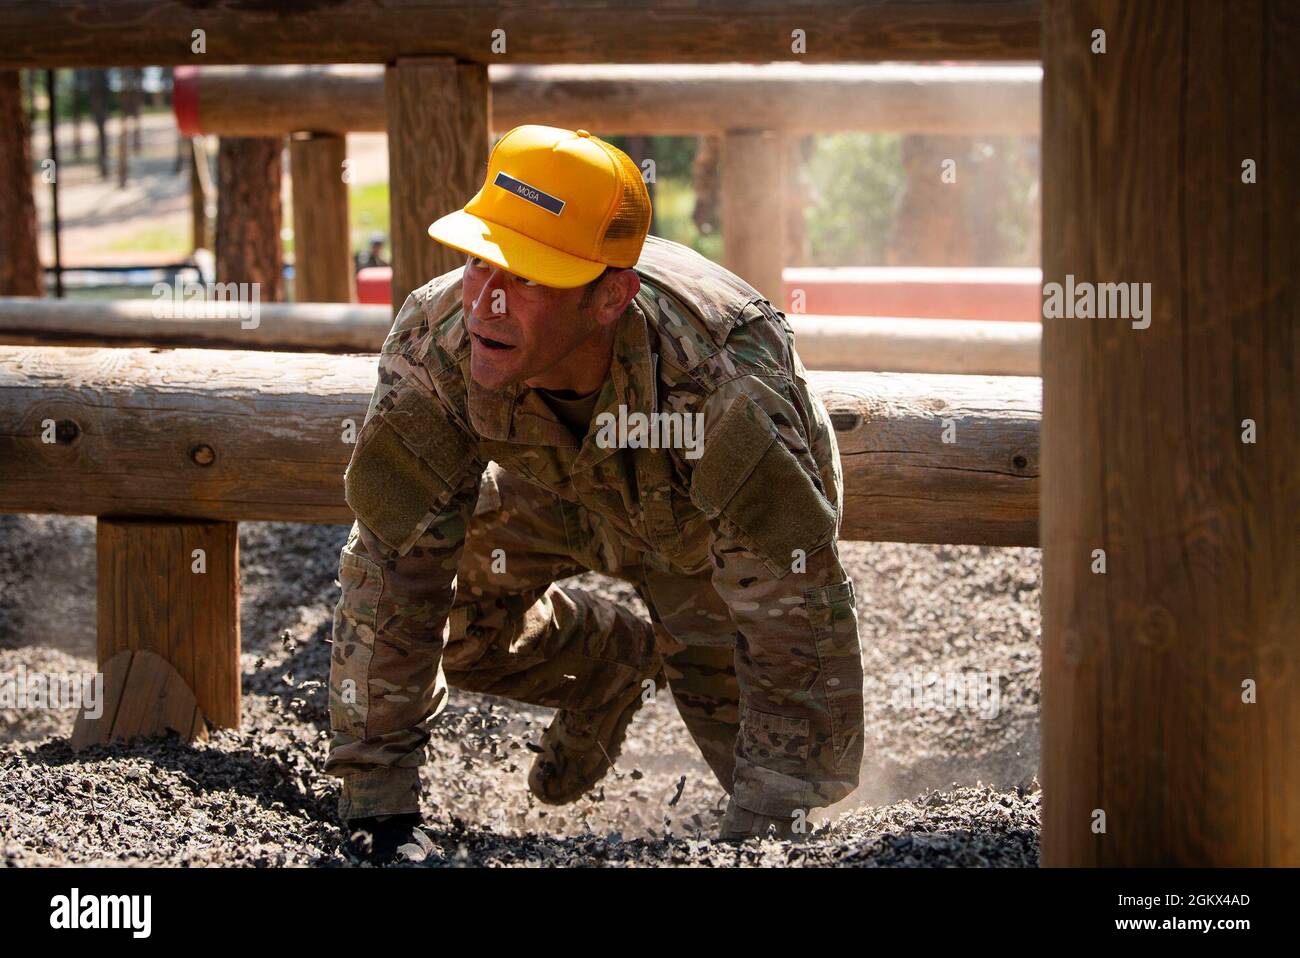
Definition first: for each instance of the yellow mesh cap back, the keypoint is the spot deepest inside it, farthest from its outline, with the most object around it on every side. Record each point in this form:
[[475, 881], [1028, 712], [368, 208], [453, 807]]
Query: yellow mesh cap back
[[630, 221]]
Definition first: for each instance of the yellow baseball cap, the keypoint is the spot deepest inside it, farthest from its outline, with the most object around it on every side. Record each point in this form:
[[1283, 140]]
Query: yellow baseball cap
[[557, 207]]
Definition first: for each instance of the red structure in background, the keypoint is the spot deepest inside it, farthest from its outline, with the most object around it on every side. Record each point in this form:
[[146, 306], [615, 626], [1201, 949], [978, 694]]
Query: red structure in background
[[979, 293]]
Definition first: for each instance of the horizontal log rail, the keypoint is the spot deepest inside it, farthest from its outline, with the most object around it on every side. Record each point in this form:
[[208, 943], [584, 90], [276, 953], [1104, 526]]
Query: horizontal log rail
[[102, 33], [654, 99], [244, 435], [850, 343]]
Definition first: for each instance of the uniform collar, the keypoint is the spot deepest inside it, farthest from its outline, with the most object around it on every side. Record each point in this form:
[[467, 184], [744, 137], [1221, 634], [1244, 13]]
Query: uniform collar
[[518, 413]]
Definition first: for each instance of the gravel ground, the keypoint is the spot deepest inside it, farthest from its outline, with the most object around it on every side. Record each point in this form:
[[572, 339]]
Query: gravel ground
[[940, 786]]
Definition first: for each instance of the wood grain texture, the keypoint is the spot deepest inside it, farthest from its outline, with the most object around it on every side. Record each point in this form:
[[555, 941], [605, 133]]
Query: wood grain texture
[[755, 171], [150, 599], [861, 343], [131, 423], [323, 271], [437, 159], [143, 697], [21, 273], [249, 215], [1143, 667], [64, 33], [657, 99]]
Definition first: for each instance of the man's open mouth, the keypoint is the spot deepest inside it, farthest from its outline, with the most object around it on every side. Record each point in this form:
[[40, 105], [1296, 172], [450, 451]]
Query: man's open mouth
[[492, 343]]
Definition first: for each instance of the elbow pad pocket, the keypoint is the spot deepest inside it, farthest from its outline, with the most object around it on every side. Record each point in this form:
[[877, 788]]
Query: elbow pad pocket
[[749, 476], [409, 462]]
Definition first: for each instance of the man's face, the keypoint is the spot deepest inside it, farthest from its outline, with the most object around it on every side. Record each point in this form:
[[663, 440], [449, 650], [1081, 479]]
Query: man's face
[[520, 329]]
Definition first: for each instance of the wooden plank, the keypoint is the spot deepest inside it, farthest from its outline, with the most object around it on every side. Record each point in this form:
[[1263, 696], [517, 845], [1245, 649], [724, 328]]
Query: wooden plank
[[64, 33], [1143, 451], [662, 99], [135, 420], [853, 343], [153, 600], [143, 697], [437, 154], [323, 271]]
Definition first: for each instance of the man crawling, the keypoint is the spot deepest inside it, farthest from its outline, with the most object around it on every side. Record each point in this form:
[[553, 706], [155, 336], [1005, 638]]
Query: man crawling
[[508, 445]]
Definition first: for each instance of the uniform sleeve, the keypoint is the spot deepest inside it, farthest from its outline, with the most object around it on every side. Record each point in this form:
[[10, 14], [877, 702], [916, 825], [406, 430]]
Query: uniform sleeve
[[774, 512], [412, 484]]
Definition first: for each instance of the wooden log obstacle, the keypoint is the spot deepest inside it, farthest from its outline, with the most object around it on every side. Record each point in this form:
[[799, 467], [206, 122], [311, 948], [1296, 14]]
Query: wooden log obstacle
[[846, 343], [172, 448]]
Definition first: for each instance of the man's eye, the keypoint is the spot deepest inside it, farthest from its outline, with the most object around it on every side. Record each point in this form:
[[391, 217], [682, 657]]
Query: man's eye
[[527, 282]]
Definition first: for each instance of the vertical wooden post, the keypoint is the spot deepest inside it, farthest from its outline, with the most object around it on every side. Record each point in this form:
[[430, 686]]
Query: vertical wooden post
[[931, 224], [1171, 683], [249, 214], [438, 111], [150, 598], [322, 248], [754, 165], [20, 262], [202, 193]]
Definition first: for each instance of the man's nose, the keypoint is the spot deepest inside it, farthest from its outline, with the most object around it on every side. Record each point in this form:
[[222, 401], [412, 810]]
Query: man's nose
[[487, 295]]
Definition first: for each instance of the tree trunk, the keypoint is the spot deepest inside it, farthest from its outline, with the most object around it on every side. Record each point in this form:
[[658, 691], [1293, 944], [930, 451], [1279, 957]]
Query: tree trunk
[[249, 214], [20, 263], [99, 110]]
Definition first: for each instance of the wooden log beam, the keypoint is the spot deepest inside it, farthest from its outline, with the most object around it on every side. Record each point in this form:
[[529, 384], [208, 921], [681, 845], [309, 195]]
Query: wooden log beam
[[1171, 683], [323, 271], [851, 343], [437, 113], [78, 33], [227, 435], [657, 99]]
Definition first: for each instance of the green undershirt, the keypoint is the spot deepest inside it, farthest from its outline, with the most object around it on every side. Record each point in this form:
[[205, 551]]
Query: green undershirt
[[571, 408]]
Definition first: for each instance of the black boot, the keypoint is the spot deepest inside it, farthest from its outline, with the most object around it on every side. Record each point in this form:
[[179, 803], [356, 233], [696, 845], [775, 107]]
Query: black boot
[[385, 839]]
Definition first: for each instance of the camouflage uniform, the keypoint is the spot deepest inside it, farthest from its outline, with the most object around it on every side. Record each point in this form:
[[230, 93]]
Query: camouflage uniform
[[471, 503]]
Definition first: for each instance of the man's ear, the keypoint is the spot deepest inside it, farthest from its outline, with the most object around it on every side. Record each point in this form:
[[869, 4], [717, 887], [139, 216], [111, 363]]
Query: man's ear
[[614, 293]]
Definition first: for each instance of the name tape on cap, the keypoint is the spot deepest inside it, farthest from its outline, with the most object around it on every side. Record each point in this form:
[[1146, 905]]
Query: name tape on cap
[[532, 194]]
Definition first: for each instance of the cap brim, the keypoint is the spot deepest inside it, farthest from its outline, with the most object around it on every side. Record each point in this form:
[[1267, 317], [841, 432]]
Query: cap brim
[[513, 251]]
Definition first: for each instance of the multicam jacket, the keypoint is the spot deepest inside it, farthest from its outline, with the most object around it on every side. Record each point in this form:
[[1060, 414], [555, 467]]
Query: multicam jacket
[[760, 506]]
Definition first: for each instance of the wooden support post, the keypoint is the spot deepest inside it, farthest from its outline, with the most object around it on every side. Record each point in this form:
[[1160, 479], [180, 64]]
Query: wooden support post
[[20, 263], [249, 214], [151, 597], [323, 271], [754, 164], [438, 112], [202, 193], [1171, 683]]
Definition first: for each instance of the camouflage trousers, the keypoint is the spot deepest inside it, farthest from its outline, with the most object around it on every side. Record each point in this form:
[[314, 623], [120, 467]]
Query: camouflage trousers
[[513, 632]]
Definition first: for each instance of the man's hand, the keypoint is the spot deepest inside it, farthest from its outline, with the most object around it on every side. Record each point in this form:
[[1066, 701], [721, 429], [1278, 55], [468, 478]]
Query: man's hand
[[739, 824]]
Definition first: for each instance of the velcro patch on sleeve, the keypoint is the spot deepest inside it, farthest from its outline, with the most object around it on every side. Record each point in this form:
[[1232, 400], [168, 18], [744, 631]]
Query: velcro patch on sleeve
[[423, 426], [752, 479], [407, 465]]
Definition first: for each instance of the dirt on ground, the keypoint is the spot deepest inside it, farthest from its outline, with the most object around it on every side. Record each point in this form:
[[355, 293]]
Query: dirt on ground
[[943, 782]]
